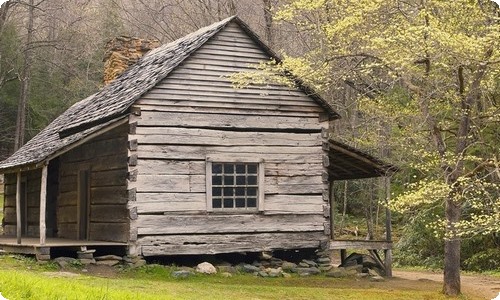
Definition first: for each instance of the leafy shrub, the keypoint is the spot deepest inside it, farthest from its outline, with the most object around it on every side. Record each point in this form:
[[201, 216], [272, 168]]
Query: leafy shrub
[[488, 259]]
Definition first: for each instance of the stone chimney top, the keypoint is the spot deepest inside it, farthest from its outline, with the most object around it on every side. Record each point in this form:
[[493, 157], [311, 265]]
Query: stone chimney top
[[122, 52]]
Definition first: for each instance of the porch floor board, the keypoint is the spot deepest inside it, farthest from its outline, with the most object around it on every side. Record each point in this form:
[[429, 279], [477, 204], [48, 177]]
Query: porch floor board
[[53, 242]]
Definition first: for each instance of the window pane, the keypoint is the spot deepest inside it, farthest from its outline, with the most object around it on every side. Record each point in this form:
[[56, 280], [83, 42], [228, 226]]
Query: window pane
[[252, 191], [216, 191], [228, 203], [240, 180], [252, 168], [240, 191], [216, 203], [252, 180], [216, 180], [228, 180], [228, 168], [234, 185], [240, 169], [228, 192], [240, 202], [251, 202], [216, 168]]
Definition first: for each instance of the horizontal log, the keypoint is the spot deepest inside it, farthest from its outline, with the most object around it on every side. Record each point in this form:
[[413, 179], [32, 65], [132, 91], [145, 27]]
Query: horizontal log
[[167, 224], [67, 214], [186, 136], [109, 178], [109, 195], [281, 154], [235, 54], [101, 163], [93, 149], [67, 198], [171, 202], [151, 118], [294, 185], [241, 106], [67, 230], [169, 183], [170, 167], [109, 213], [215, 244], [229, 111], [293, 204], [111, 232], [293, 169], [231, 98]]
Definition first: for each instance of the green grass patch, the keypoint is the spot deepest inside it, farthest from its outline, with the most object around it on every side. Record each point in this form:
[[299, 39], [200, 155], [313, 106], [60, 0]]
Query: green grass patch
[[25, 279]]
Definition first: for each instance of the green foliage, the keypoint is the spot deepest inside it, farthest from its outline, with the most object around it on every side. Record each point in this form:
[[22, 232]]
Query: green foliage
[[426, 74], [488, 259]]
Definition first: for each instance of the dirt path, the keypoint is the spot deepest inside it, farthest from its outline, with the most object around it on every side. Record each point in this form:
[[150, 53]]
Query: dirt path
[[486, 287]]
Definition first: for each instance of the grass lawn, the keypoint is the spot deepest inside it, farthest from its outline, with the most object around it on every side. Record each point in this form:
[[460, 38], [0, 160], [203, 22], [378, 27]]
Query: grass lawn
[[25, 279]]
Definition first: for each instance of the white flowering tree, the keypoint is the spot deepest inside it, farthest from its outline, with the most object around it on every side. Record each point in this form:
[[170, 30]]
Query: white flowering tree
[[429, 69]]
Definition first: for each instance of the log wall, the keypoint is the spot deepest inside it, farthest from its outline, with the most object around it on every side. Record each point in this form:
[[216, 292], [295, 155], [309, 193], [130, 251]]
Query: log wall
[[195, 113], [106, 157], [32, 179]]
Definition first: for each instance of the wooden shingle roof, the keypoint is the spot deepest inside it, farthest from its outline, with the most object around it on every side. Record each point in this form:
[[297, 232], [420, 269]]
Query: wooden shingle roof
[[114, 100]]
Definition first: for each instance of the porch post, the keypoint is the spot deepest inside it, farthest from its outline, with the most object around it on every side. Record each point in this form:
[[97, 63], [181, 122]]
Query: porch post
[[388, 227], [18, 208], [43, 204]]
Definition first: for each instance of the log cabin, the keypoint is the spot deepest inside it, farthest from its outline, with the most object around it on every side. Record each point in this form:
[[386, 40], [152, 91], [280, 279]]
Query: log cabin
[[170, 159]]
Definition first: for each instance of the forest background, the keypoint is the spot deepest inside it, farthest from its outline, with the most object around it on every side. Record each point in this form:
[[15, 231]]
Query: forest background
[[416, 83]]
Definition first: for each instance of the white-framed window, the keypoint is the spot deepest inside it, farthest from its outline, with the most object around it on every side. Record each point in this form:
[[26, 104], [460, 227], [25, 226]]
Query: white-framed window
[[235, 185]]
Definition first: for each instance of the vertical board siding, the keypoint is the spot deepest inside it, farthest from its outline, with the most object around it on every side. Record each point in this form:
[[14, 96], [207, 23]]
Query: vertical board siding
[[106, 157], [194, 113]]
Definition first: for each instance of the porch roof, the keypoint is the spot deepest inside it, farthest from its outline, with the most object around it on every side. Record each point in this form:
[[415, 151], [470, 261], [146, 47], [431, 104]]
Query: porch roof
[[347, 162]]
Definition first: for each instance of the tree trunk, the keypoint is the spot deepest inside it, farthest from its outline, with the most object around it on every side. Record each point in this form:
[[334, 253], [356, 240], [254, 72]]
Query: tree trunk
[[25, 83], [451, 284], [268, 18]]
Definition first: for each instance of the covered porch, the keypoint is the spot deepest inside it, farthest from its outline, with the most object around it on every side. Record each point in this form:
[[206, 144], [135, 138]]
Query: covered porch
[[348, 163]]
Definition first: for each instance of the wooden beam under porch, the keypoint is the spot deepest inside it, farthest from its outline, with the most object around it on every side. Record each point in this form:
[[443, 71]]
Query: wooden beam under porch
[[32, 245]]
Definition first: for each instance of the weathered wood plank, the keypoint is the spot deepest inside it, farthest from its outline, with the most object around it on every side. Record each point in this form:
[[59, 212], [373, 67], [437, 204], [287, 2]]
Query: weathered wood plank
[[227, 88], [108, 195], [108, 213], [157, 153], [294, 204], [203, 82], [170, 202], [67, 214], [167, 224], [188, 136], [229, 54], [294, 168], [294, 185], [109, 178], [241, 105], [67, 230], [230, 98], [170, 167], [101, 163], [112, 232], [67, 198], [224, 110], [169, 183], [150, 118], [214, 244]]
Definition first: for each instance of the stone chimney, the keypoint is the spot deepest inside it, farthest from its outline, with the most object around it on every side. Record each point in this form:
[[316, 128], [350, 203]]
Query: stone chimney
[[122, 52]]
